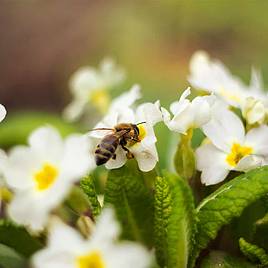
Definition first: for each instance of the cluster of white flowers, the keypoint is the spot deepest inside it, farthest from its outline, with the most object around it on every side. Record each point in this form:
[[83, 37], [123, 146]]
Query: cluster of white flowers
[[68, 249], [41, 174]]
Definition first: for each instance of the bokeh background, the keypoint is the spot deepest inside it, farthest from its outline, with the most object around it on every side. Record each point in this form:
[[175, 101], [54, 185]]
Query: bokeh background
[[43, 42]]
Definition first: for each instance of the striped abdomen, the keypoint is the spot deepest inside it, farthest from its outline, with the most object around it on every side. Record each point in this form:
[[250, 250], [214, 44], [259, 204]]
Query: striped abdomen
[[106, 149]]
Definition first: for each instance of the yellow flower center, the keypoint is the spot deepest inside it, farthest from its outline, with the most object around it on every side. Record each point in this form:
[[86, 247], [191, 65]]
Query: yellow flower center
[[228, 95], [237, 153], [45, 177], [100, 99], [142, 131], [91, 260]]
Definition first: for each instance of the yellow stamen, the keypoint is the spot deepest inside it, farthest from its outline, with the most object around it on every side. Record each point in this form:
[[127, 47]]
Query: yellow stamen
[[100, 99], [45, 177], [91, 260], [142, 131], [237, 153]]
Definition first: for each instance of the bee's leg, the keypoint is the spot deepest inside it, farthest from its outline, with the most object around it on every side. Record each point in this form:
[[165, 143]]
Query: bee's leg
[[129, 154]]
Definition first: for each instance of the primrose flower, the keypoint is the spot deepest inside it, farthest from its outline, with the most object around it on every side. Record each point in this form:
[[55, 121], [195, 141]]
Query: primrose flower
[[144, 151], [230, 148], [90, 86], [42, 173], [68, 249], [212, 76], [188, 114], [3, 112]]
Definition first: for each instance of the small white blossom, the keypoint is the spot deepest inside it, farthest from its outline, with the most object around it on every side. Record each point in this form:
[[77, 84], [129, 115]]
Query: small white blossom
[[187, 114], [42, 173], [255, 106], [144, 151], [3, 112], [212, 76], [230, 148], [68, 249], [90, 86]]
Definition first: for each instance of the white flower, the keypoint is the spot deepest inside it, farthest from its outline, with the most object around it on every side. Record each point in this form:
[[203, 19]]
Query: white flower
[[90, 86], [42, 174], [144, 151], [213, 76], [230, 147], [188, 114], [126, 99], [68, 249], [3, 112]]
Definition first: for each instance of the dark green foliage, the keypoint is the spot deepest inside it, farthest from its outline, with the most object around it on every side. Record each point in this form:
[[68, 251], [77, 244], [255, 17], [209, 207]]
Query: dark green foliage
[[17, 238], [253, 252], [218, 259], [226, 203], [126, 191]]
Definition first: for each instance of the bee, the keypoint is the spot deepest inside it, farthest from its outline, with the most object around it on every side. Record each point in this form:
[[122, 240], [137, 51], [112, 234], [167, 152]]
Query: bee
[[123, 135]]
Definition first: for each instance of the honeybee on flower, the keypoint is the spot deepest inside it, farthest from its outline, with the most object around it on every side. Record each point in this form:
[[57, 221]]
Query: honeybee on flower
[[143, 149], [90, 87], [68, 249]]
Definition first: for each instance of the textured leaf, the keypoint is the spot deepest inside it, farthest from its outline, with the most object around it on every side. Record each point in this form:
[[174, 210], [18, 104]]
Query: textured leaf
[[132, 200], [253, 252], [228, 202], [181, 225], [162, 207], [87, 184], [218, 259], [18, 238], [10, 258]]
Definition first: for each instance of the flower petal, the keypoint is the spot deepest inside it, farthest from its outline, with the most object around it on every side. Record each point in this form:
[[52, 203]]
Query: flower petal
[[257, 138], [146, 155], [128, 255], [249, 162], [224, 129], [119, 161], [19, 167], [47, 142], [3, 112], [77, 160], [211, 162], [127, 98]]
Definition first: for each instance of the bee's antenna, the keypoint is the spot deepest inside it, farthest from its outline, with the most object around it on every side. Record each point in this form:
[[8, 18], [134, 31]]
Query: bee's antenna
[[140, 123], [102, 128]]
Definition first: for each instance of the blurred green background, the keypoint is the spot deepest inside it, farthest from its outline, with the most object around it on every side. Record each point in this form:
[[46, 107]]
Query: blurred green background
[[43, 42]]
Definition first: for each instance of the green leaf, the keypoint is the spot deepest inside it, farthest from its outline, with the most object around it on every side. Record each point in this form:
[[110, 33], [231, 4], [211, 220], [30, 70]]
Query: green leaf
[[220, 259], [184, 160], [133, 202], [162, 207], [10, 258], [77, 200], [253, 252], [181, 224], [16, 128], [226, 203], [87, 184], [18, 238]]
